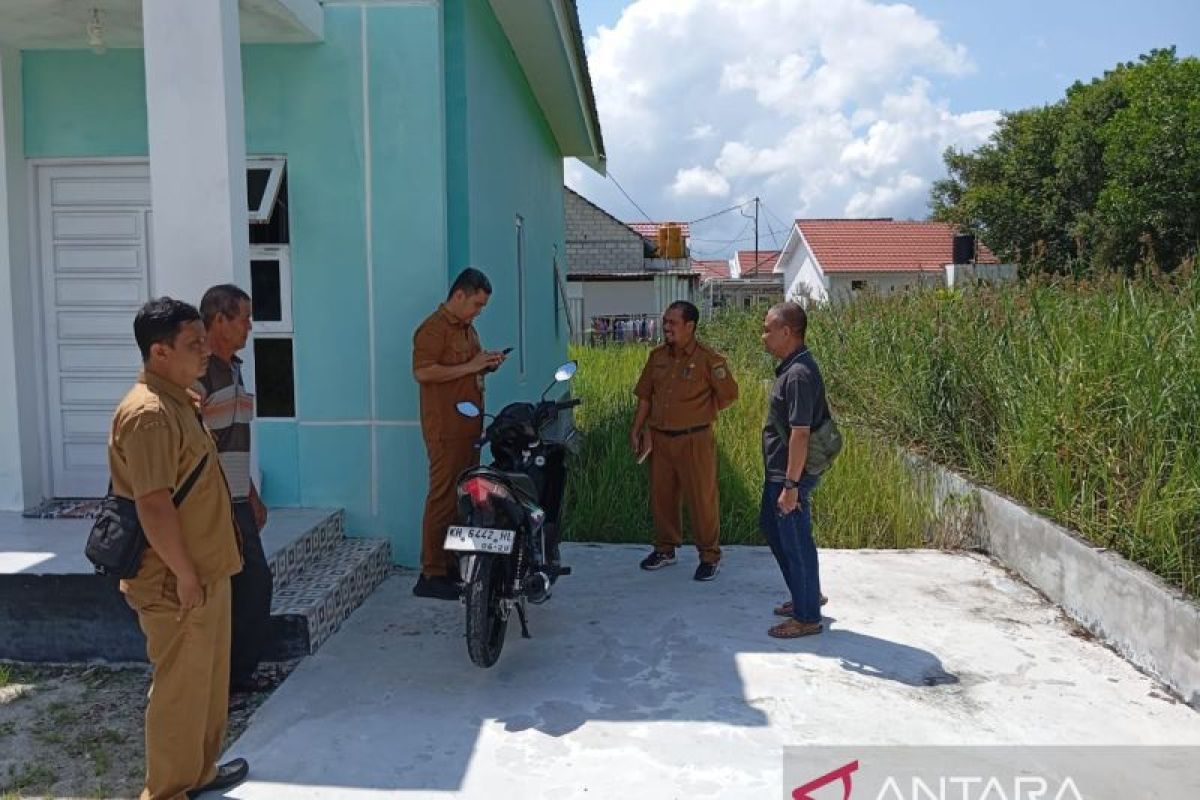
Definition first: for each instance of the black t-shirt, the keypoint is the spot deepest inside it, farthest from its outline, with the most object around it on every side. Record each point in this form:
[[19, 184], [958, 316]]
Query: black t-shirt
[[797, 400]]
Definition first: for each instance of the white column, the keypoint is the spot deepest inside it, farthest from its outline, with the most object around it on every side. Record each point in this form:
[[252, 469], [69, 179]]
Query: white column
[[14, 283], [196, 123]]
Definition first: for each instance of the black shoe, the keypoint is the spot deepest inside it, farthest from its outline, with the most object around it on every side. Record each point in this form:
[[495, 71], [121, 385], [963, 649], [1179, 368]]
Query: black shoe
[[658, 560], [228, 775], [706, 571], [437, 587]]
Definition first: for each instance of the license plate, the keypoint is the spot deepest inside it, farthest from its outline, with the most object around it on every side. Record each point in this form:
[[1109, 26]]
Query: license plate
[[479, 540]]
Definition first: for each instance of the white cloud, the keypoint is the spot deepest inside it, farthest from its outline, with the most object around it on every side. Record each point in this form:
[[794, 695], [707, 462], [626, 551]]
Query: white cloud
[[699, 182], [820, 108]]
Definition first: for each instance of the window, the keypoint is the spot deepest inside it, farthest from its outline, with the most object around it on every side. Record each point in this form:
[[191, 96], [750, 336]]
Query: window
[[271, 287], [274, 377], [264, 176], [858, 286], [520, 231]]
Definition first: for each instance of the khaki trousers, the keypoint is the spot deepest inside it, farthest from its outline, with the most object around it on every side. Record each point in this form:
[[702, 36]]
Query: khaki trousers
[[685, 467], [189, 694], [447, 459]]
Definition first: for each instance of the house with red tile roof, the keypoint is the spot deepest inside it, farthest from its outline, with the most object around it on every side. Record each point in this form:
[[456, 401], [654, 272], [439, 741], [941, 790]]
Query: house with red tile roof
[[753, 263], [826, 259], [743, 280], [649, 230], [711, 269], [614, 277]]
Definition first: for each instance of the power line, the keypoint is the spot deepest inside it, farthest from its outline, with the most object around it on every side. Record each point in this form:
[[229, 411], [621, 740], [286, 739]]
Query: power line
[[785, 225], [718, 213], [627, 197], [722, 243], [771, 231]]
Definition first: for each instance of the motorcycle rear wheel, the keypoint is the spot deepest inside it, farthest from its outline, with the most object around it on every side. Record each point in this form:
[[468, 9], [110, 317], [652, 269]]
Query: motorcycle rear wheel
[[486, 624]]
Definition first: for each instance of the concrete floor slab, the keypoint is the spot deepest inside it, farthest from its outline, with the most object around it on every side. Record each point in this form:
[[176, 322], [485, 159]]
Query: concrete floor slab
[[55, 546], [652, 685]]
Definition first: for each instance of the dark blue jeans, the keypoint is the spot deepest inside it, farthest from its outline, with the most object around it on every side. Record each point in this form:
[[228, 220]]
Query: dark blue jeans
[[792, 544]]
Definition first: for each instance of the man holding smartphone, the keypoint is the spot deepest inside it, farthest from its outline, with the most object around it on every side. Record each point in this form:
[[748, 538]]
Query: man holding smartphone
[[449, 363]]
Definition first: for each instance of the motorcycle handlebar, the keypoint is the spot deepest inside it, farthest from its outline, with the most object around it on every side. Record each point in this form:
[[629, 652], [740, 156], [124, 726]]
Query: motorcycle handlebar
[[563, 405]]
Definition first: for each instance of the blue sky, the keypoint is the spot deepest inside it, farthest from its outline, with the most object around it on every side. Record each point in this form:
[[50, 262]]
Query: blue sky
[[736, 94]]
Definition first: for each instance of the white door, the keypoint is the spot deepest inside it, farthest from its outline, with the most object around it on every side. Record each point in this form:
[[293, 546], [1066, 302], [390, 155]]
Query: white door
[[93, 244]]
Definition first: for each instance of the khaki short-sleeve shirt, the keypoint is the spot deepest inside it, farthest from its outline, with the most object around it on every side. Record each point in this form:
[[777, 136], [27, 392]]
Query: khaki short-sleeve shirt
[[157, 438], [443, 339], [685, 387]]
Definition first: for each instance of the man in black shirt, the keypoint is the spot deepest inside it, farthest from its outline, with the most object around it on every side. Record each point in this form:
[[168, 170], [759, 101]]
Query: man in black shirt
[[796, 407]]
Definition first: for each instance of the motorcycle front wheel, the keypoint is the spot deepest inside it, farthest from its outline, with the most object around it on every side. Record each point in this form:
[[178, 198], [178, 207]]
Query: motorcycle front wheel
[[486, 624]]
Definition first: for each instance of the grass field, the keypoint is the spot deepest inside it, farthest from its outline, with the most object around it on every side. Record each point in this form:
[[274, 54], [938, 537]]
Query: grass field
[[1080, 400], [869, 500]]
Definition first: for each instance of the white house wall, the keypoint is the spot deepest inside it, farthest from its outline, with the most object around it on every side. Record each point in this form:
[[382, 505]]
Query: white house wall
[[605, 298], [803, 278], [841, 284], [19, 464]]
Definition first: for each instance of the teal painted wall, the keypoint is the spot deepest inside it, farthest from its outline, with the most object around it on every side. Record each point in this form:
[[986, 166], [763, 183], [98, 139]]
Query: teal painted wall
[[81, 104], [502, 161], [424, 178], [307, 102]]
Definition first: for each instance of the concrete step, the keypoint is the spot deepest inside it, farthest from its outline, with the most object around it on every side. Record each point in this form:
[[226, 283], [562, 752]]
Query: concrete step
[[54, 608], [308, 609], [305, 537]]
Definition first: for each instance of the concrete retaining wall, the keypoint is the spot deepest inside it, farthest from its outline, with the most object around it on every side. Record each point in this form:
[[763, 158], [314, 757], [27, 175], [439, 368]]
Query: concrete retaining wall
[[1151, 624]]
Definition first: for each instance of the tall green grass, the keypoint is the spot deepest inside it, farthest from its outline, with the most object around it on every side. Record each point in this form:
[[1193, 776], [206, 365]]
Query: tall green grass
[[1080, 400], [869, 500]]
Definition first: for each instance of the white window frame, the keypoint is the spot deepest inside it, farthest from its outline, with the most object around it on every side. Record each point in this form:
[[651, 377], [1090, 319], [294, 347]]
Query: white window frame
[[274, 165], [279, 253]]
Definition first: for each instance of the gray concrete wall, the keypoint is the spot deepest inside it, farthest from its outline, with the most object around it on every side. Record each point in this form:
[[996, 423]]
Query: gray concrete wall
[[1128, 608], [597, 242]]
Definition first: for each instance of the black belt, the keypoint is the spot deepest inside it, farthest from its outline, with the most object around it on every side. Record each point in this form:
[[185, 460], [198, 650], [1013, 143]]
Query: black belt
[[683, 432]]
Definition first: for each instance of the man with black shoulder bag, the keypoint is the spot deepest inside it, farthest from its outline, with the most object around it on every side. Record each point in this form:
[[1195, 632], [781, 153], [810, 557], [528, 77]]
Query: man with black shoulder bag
[[164, 462], [800, 441]]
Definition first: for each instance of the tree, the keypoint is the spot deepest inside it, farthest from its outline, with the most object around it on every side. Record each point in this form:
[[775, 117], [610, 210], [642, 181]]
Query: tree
[[1106, 178]]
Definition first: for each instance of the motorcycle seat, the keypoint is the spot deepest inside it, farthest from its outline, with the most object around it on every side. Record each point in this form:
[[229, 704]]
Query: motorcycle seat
[[522, 483]]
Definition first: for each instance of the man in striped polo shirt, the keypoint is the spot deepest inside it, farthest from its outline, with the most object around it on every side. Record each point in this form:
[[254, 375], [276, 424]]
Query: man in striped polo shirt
[[228, 410]]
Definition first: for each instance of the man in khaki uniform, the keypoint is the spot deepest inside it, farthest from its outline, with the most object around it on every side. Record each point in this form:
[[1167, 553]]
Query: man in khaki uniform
[[682, 387], [449, 364], [181, 592]]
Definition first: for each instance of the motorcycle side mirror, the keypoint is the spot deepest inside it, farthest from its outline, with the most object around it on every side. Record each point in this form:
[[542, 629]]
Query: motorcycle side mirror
[[468, 409], [561, 375]]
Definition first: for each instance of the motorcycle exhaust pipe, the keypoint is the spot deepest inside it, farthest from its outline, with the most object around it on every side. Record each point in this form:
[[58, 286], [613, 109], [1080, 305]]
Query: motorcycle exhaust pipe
[[536, 587]]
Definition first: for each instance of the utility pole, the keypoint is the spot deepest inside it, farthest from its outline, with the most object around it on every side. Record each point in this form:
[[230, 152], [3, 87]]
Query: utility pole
[[756, 234]]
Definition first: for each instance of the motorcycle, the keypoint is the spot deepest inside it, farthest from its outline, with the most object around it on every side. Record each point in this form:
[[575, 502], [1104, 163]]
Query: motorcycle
[[509, 514]]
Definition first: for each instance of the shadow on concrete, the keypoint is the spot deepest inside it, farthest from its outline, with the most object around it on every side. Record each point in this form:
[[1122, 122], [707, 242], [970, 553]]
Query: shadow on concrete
[[879, 658], [393, 704]]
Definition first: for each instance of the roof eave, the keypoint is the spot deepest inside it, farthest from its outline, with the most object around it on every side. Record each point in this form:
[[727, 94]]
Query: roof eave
[[558, 75]]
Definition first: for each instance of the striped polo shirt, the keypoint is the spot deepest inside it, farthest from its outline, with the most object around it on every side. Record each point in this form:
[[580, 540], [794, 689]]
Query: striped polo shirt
[[228, 411]]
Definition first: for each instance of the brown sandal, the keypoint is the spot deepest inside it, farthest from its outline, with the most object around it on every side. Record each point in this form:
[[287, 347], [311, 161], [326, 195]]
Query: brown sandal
[[794, 629], [785, 610]]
